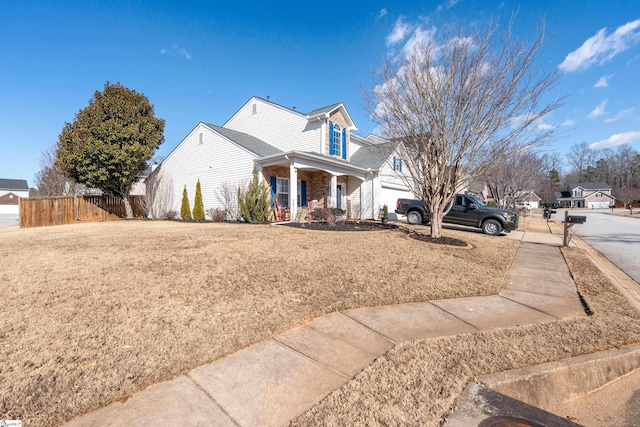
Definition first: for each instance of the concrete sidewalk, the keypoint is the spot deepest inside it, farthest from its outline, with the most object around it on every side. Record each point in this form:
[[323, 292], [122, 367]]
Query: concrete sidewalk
[[272, 382]]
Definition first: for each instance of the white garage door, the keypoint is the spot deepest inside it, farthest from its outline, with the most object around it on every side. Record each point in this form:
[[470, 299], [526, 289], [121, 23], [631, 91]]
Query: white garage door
[[389, 196]]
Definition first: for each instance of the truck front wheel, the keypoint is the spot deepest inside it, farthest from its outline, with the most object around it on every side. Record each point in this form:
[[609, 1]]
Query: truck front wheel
[[414, 217], [491, 227]]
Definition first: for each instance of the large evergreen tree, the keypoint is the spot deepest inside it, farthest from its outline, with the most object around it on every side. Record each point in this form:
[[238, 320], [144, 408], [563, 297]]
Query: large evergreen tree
[[110, 141]]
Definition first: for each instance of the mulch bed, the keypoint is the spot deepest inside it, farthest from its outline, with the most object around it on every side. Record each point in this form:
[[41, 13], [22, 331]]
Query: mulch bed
[[374, 226]]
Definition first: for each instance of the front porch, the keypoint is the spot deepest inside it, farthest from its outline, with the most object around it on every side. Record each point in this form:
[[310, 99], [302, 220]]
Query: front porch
[[303, 182]]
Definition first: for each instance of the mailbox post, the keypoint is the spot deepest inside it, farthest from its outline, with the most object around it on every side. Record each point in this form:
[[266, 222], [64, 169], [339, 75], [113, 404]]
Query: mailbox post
[[570, 221]]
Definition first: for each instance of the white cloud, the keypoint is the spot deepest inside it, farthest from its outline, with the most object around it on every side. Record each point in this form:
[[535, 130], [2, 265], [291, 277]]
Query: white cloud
[[568, 122], [602, 47], [603, 81], [176, 50], [621, 115], [617, 139], [598, 111], [447, 5], [382, 13], [399, 32]]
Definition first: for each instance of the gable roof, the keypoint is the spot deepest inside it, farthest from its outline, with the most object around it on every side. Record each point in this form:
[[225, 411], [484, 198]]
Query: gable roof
[[324, 110], [373, 156], [14, 184], [251, 143], [590, 185]]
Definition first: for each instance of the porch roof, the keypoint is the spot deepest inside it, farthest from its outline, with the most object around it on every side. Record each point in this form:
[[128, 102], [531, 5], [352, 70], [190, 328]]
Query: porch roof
[[309, 160]]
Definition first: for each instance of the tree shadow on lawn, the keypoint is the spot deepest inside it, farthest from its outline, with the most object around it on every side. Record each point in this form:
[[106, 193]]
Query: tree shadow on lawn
[[375, 226]]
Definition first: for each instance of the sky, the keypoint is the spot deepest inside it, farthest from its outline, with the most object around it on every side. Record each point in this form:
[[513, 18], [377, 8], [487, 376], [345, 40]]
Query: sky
[[202, 60]]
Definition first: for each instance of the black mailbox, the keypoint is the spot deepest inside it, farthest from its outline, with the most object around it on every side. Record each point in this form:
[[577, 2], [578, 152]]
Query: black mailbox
[[576, 219]]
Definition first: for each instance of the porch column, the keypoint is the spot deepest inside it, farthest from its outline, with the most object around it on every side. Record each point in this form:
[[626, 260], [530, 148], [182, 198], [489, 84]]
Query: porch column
[[260, 174], [293, 191], [334, 191]]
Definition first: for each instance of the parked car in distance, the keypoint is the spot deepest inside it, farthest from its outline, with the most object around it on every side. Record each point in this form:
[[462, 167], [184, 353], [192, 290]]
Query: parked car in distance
[[466, 210], [550, 205], [523, 205]]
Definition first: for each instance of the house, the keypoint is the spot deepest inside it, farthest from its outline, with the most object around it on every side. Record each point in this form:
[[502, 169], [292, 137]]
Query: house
[[592, 195], [11, 190], [529, 198], [310, 160]]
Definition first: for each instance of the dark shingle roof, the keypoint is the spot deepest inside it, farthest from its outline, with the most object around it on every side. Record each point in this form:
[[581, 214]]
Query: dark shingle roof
[[14, 184], [251, 143], [373, 156], [322, 110], [591, 185]]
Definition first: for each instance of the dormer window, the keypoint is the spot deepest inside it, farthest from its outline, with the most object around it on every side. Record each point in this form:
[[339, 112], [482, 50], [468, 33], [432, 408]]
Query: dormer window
[[337, 134], [337, 140]]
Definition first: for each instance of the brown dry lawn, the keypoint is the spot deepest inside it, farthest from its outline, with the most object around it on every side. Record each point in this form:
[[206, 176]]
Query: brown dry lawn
[[95, 312]]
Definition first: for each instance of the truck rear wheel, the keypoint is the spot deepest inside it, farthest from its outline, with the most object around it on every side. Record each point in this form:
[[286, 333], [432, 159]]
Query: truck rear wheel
[[491, 227], [414, 217]]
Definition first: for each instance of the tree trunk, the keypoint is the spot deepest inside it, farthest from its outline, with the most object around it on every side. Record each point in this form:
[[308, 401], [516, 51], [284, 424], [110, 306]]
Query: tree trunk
[[127, 207], [436, 224]]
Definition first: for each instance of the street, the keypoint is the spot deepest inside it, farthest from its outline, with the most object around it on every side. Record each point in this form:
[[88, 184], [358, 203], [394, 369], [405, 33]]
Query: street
[[616, 237]]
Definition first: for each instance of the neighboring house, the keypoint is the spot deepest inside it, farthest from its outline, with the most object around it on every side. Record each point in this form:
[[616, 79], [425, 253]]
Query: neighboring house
[[310, 160], [592, 195], [11, 190], [529, 198]]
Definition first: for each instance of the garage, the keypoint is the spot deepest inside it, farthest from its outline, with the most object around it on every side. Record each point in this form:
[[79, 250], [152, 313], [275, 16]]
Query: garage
[[389, 194]]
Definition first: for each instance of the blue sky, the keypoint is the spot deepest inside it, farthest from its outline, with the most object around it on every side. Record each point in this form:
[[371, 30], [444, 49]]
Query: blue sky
[[200, 61]]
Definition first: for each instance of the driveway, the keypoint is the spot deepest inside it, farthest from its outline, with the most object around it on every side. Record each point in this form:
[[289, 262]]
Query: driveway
[[7, 220], [615, 237]]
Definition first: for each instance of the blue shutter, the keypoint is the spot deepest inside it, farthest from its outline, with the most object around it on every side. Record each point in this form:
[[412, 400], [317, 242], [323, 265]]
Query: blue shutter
[[331, 149], [303, 193], [394, 162], [400, 165], [344, 143], [272, 182]]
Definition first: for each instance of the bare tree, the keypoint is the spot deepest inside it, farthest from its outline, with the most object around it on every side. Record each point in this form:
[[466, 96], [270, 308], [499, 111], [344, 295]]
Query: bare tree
[[227, 195], [508, 180], [460, 100], [580, 158], [551, 182], [49, 179]]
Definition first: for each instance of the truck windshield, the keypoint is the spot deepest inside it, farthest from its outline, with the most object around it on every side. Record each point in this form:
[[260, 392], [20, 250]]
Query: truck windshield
[[475, 200]]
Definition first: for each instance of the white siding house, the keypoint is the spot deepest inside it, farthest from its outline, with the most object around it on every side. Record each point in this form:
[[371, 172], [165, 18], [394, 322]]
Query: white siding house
[[11, 191], [309, 159]]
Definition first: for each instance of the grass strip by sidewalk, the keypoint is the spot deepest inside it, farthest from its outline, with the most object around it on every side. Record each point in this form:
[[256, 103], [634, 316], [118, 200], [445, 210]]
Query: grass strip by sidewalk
[[418, 383]]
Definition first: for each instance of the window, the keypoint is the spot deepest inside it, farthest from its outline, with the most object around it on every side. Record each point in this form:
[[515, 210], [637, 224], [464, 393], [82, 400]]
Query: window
[[200, 138], [577, 193], [397, 164], [336, 139], [282, 188]]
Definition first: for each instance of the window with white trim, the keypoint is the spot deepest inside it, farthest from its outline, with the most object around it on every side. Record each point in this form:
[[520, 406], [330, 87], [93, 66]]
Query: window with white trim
[[337, 139], [283, 192], [397, 164]]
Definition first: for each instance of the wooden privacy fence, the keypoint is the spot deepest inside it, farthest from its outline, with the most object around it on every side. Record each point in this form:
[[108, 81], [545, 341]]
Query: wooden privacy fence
[[43, 211]]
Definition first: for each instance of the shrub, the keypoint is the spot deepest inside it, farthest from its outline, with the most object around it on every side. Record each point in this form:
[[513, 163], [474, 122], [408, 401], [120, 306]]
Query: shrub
[[185, 210], [227, 195], [255, 201], [492, 204], [326, 214], [198, 206], [217, 214], [170, 215]]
